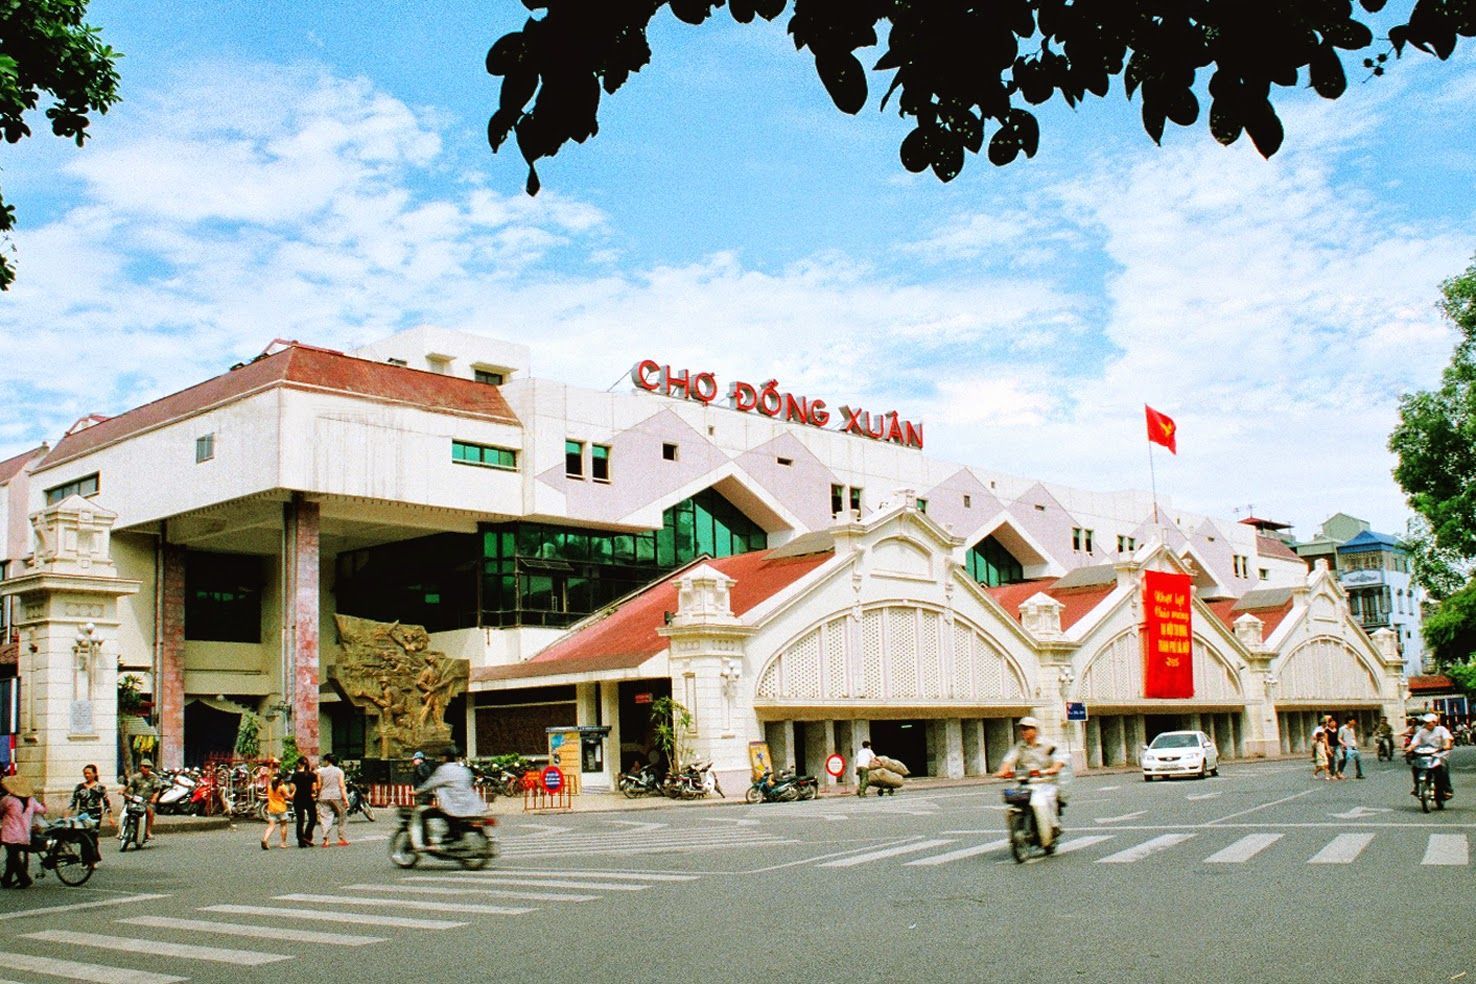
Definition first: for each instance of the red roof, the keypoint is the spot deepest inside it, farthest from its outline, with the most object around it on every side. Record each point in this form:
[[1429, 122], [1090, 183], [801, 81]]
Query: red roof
[[11, 467], [627, 637], [1270, 546], [1270, 615], [1432, 684], [304, 367], [1078, 601]]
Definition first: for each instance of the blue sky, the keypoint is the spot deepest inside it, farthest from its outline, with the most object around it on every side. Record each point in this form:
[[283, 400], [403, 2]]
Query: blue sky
[[322, 173]]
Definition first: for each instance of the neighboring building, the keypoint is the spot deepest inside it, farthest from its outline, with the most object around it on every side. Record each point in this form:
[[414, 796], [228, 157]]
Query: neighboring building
[[823, 576], [1376, 571]]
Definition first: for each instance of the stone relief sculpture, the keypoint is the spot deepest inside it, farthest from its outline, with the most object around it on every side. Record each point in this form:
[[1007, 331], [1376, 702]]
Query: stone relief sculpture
[[390, 671]]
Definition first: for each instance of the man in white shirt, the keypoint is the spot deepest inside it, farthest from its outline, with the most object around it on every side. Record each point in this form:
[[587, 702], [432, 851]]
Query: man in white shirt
[[332, 798], [1348, 744], [1031, 755], [1434, 734], [864, 760]]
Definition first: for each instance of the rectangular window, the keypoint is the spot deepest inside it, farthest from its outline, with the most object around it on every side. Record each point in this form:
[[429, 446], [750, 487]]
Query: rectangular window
[[574, 459], [837, 499], [85, 486], [669, 452], [466, 453], [922, 505], [1081, 540], [968, 502], [599, 462], [1241, 564], [785, 462], [1265, 574], [205, 447], [856, 500], [487, 376], [223, 597], [1126, 544]]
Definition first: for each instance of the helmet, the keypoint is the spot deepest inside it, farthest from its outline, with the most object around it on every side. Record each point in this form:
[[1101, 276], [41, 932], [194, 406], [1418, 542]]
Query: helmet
[[1029, 722], [1430, 718], [418, 755], [145, 763]]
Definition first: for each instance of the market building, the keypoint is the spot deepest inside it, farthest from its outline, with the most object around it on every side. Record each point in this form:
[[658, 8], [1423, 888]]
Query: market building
[[791, 569]]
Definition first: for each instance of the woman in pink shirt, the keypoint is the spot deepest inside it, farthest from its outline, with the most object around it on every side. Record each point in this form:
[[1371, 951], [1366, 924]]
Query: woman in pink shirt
[[18, 810]]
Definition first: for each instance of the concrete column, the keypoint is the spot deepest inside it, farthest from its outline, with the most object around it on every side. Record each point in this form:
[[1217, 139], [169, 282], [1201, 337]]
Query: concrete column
[[1113, 753], [951, 762], [301, 520], [999, 738], [780, 736], [169, 693], [973, 747], [610, 714], [1094, 743], [819, 742], [1135, 736]]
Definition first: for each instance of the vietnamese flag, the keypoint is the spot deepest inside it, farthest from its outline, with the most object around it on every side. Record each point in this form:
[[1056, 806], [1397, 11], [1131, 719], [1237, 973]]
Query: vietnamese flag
[[1161, 429]]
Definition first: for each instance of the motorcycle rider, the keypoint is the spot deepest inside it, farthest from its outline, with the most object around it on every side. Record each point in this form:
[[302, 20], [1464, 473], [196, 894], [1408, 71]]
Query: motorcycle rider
[[423, 771], [1434, 734], [146, 783], [1030, 754], [1384, 736], [453, 785]]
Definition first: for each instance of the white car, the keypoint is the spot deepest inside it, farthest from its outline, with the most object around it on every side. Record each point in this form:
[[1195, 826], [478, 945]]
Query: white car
[[1181, 753]]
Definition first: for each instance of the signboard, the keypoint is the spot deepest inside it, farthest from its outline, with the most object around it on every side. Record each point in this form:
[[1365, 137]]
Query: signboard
[[1076, 710], [643, 698], [1168, 636], [564, 749], [81, 717], [836, 764], [552, 778], [770, 401], [1356, 579], [758, 758]]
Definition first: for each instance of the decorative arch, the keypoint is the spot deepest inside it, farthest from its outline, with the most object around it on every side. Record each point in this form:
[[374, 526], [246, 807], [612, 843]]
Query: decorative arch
[[1326, 668], [895, 653], [1115, 672]]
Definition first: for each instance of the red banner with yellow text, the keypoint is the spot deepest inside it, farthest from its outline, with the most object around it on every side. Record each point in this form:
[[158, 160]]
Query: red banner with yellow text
[[1168, 636]]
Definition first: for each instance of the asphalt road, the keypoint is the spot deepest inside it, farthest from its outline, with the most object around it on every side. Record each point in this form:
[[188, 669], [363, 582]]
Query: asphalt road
[[1262, 874]]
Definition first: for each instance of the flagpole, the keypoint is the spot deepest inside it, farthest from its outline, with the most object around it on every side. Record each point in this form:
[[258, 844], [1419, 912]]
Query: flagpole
[[1153, 480]]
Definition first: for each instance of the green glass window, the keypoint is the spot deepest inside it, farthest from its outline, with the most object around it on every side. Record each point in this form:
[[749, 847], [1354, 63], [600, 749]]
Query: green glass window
[[574, 459], [484, 454], [599, 462], [84, 486], [991, 564]]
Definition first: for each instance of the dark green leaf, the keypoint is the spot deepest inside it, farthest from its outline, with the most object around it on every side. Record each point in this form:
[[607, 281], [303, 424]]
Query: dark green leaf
[[1265, 130], [1003, 147], [1153, 118], [1182, 107], [1348, 34], [915, 151], [1372, 6], [505, 54], [1326, 70], [691, 11], [844, 79], [1028, 130], [948, 161]]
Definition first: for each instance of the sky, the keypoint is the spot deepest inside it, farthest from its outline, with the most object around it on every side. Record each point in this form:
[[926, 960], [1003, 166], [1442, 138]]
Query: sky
[[320, 172]]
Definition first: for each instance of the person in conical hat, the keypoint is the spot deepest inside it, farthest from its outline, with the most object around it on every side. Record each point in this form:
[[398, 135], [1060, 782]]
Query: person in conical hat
[[18, 810]]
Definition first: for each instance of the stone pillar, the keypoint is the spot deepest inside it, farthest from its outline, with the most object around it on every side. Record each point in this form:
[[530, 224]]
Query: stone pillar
[[999, 738], [710, 676], [1094, 743], [169, 692], [1135, 736], [67, 619], [819, 742], [951, 748], [1113, 750], [973, 747], [610, 712], [300, 519], [1262, 736], [780, 736]]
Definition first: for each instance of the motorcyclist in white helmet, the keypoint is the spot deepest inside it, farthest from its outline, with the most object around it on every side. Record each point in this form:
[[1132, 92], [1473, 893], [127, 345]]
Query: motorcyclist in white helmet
[[1433, 734], [1030, 754]]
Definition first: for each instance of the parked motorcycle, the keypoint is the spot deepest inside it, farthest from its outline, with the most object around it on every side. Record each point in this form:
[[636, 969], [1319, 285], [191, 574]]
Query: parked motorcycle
[[133, 823], [358, 800], [693, 782], [640, 782], [177, 791], [67, 847], [767, 789], [807, 787], [420, 836], [1424, 760], [1020, 820]]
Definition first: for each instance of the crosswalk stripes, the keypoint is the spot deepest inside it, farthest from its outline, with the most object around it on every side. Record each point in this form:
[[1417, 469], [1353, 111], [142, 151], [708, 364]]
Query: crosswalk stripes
[[886, 852], [456, 908], [154, 948], [1447, 849], [324, 915], [1072, 844], [481, 878], [650, 876], [78, 971], [1137, 853], [277, 933], [626, 842], [1343, 849], [960, 854], [500, 893], [1244, 849]]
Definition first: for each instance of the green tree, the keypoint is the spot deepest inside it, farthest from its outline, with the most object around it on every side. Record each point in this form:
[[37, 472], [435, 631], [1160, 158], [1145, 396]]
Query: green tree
[[959, 68], [671, 723], [46, 48]]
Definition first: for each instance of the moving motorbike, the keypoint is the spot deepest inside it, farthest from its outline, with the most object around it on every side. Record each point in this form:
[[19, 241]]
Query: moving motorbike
[[67, 847], [1385, 745], [1425, 760], [1020, 820], [420, 835], [133, 822]]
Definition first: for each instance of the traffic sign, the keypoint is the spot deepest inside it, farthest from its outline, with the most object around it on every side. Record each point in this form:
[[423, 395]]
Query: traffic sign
[[1076, 710], [553, 779], [835, 764]]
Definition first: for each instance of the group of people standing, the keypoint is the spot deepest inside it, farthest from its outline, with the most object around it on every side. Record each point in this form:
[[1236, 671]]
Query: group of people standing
[[1333, 747], [324, 790]]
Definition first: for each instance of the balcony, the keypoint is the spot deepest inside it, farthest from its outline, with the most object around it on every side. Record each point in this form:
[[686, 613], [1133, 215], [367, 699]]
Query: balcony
[[1373, 621], [1361, 579]]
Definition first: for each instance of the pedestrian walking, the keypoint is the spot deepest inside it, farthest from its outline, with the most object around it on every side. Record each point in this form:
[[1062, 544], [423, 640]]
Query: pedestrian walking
[[1348, 744], [276, 810], [1320, 762], [864, 760], [305, 801], [90, 801], [333, 798], [19, 808]]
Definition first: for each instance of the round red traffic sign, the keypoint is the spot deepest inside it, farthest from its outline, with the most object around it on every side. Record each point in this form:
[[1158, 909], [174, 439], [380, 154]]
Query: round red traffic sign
[[835, 764], [553, 779]]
